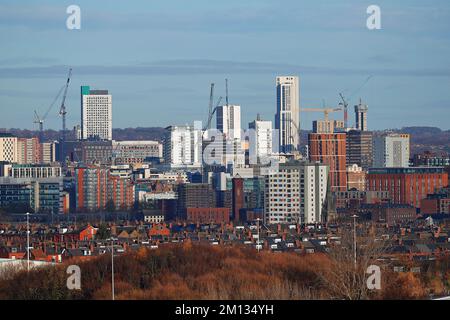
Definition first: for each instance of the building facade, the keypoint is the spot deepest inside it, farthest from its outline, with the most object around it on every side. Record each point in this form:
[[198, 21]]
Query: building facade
[[431, 159], [8, 148], [296, 193], [287, 117], [182, 147], [194, 195], [361, 116], [38, 195], [407, 185], [356, 178], [330, 149], [262, 146], [228, 121], [96, 114], [48, 152], [29, 150], [96, 189], [359, 148], [131, 152], [391, 150], [208, 215]]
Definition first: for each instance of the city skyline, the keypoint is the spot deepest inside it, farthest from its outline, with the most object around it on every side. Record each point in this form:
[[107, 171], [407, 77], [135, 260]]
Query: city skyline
[[328, 46]]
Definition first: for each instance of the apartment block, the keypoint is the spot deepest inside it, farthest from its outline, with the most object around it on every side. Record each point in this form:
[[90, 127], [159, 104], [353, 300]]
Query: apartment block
[[391, 150], [330, 149], [296, 193], [8, 148]]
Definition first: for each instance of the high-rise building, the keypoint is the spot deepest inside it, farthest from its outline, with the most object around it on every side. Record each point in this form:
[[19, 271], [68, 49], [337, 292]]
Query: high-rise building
[[359, 148], [29, 150], [228, 121], [361, 116], [295, 192], [8, 148], [391, 150], [330, 149], [182, 146], [97, 188], [96, 114], [287, 117], [91, 188], [48, 152], [262, 135]]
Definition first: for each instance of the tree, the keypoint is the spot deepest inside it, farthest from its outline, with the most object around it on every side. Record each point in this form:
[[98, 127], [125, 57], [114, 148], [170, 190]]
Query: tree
[[103, 232], [344, 279]]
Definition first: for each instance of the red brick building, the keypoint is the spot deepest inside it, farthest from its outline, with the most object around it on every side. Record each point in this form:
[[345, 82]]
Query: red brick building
[[392, 214], [407, 185], [121, 192], [330, 149], [436, 203], [238, 197], [95, 187], [208, 215]]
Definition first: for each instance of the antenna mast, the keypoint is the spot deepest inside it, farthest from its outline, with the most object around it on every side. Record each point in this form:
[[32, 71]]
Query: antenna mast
[[226, 90]]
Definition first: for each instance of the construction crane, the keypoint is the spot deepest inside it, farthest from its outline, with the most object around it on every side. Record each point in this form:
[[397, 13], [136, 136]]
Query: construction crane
[[40, 120], [208, 126], [62, 110], [345, 101], [326, 111], [210, 108]]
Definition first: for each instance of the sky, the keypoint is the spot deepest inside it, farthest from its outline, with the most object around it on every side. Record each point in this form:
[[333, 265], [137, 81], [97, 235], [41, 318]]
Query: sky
[[158, 59]]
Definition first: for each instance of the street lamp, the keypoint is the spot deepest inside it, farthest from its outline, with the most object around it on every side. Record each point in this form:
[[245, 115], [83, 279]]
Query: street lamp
[[112, 267], [258, 243], [354, 238], [28, 241]]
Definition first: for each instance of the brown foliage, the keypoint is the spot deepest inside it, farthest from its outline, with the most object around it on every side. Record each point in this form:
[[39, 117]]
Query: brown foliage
[[205, 272]]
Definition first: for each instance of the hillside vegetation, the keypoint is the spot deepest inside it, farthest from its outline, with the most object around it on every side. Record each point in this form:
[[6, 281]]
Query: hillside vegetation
[[206, 272]]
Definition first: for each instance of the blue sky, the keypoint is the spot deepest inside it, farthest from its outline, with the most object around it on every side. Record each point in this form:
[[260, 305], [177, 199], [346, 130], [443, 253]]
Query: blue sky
[[158, 58]]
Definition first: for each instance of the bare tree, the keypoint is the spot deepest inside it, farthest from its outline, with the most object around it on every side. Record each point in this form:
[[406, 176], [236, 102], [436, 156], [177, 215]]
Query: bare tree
[[344, 278]]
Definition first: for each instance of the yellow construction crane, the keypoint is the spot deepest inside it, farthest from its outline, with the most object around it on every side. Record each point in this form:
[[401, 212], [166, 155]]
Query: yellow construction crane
[[325, 111]]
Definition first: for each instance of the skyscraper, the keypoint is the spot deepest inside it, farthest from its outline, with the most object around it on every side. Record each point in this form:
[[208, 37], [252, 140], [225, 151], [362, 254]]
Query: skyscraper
[[96, 114], [391, 150], [296, 193], [330, 149], [262, 146], [359, 148], [182, 146], [287, 118], [361, 116], [228, 121]]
